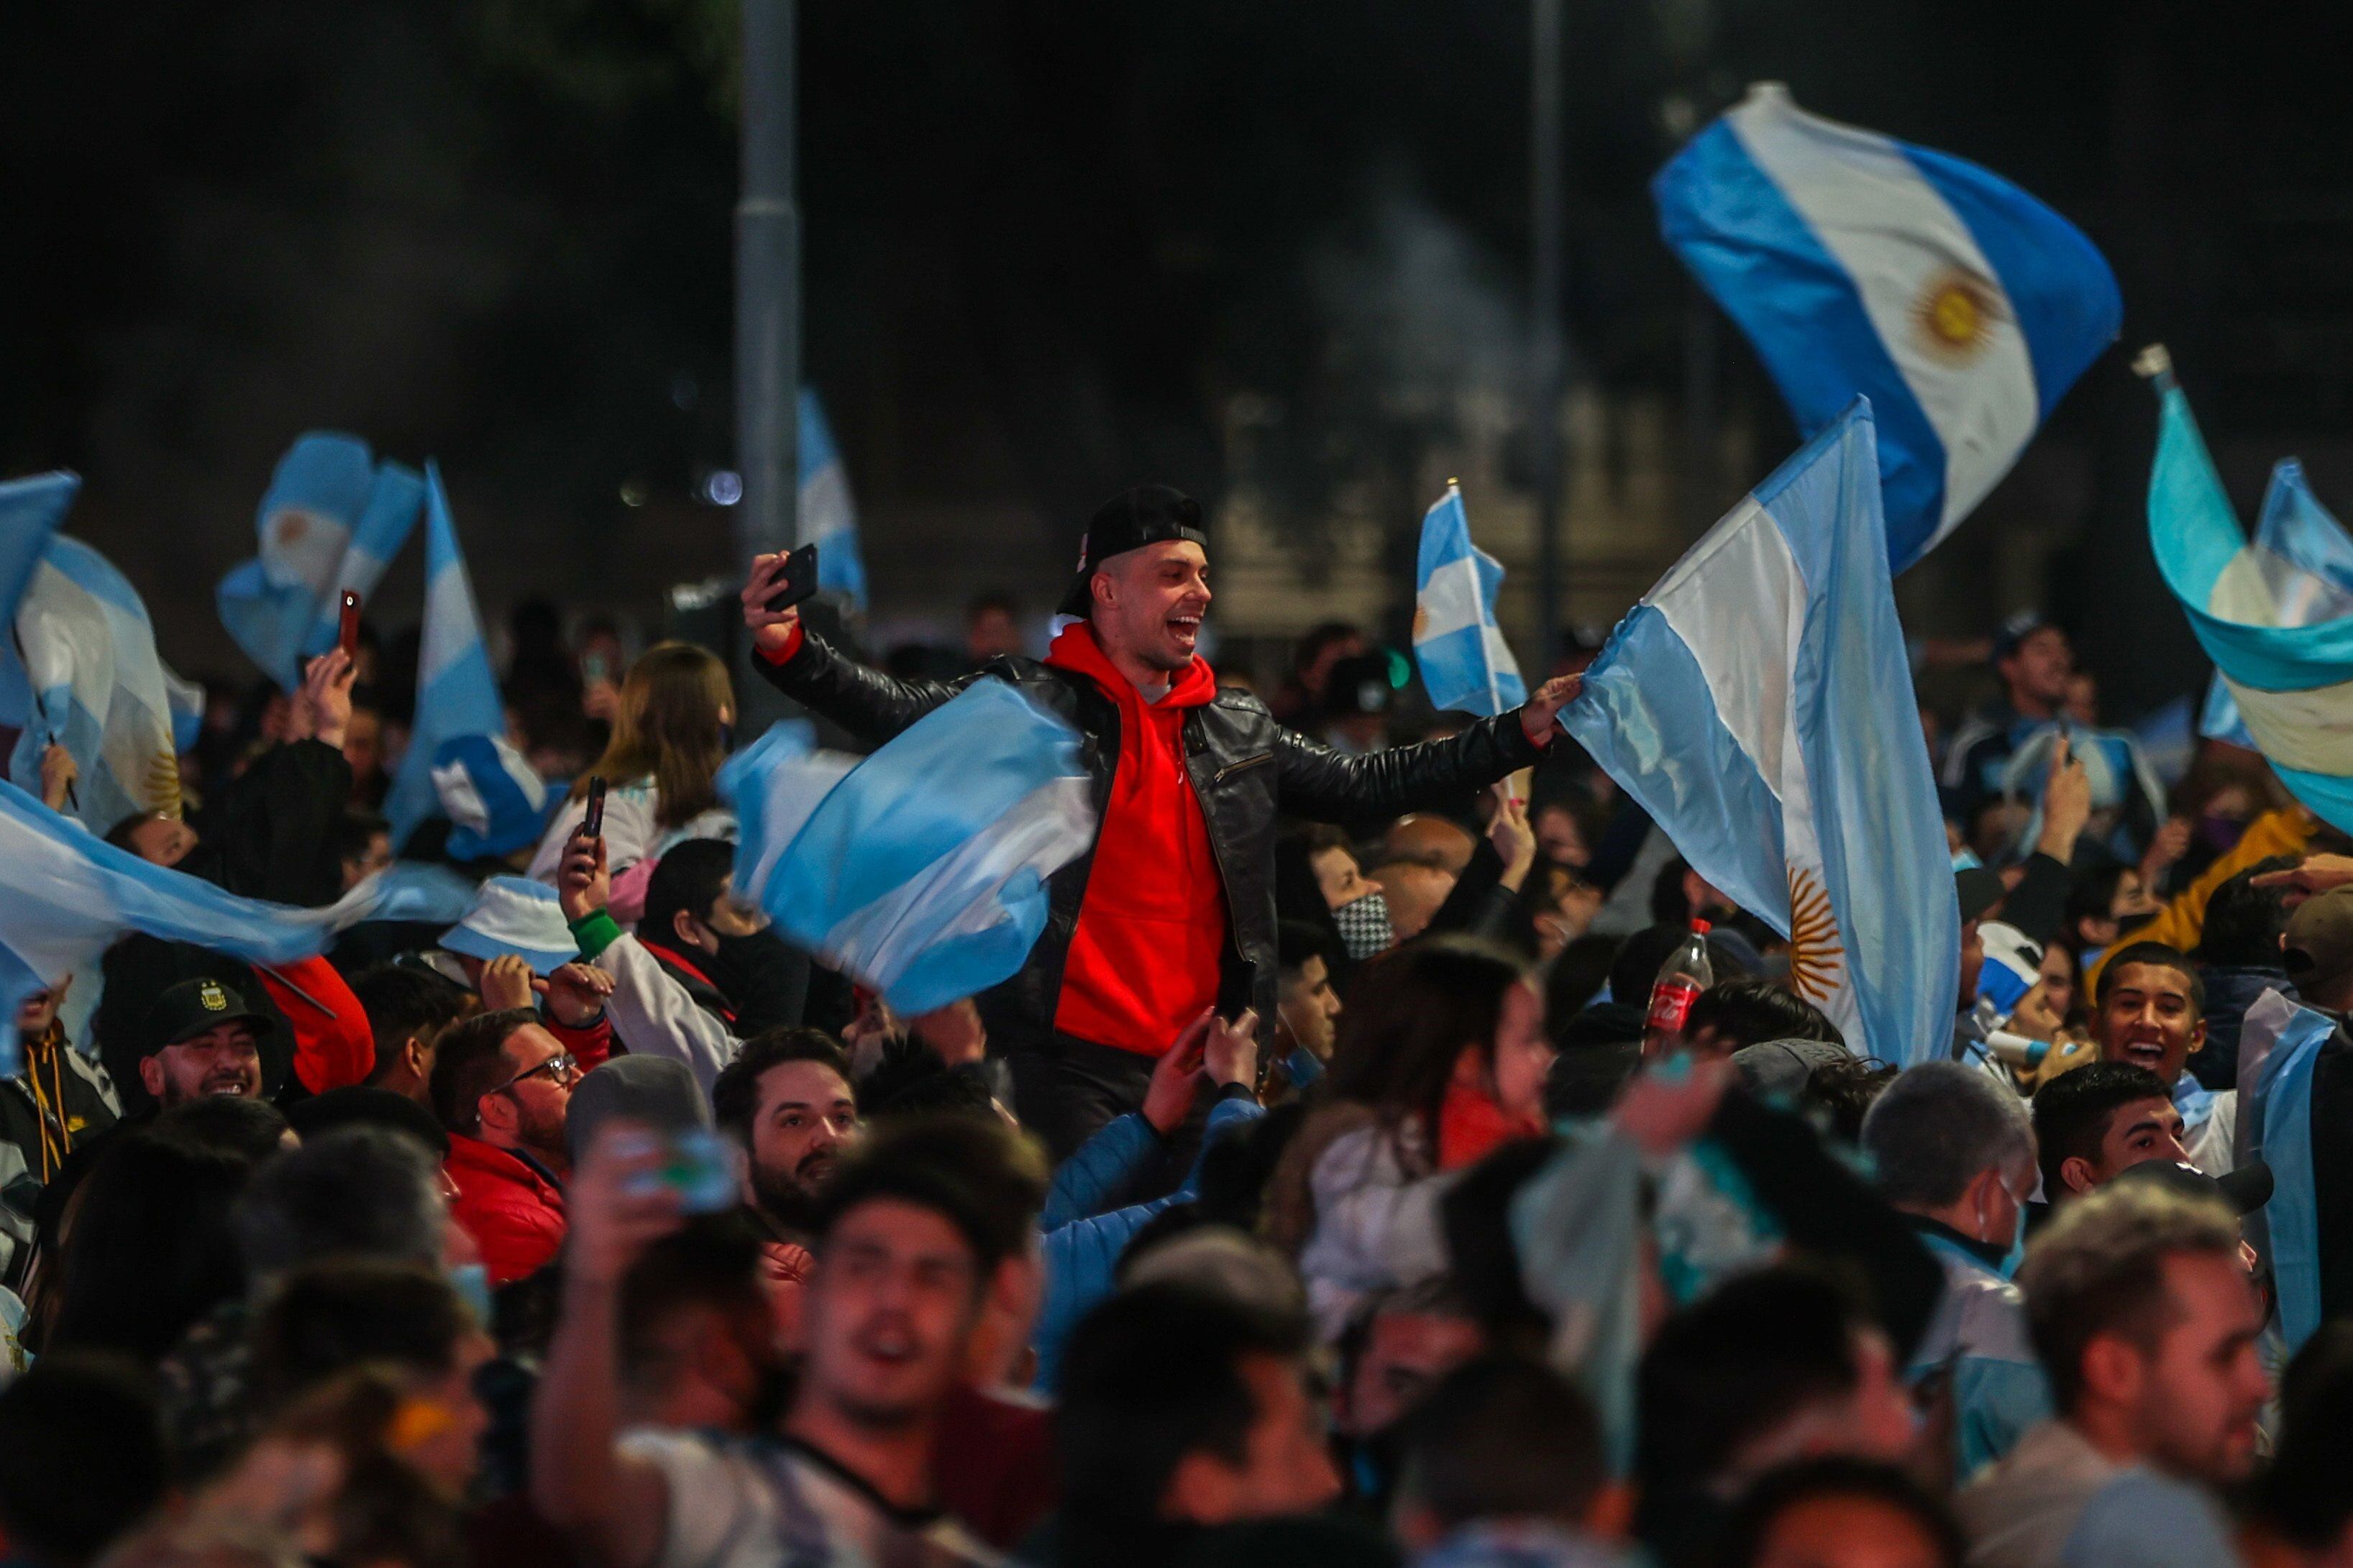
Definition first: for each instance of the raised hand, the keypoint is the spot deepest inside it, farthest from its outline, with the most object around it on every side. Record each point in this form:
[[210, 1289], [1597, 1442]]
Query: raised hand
[[1537, 715], [583, 885], [506, 983], [323, 709], [771, 629], [1176, 1076], [575, 994], [1230, 1054]]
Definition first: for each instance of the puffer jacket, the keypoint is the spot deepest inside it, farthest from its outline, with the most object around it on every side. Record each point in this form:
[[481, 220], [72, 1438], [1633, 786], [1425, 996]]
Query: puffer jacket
[[1246, 771]]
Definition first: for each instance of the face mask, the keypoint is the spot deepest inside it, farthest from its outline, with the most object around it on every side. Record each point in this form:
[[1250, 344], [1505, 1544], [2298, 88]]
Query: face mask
[[471, 1281], [741, 957], [1364, 925]]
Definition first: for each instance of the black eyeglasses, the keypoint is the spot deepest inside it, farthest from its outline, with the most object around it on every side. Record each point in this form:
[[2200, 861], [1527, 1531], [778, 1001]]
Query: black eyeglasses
[[560, 1068]]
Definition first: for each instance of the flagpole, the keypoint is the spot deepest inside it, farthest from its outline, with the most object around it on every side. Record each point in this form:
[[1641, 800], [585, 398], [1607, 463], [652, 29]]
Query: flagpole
[[1545, 216], [767, 305]]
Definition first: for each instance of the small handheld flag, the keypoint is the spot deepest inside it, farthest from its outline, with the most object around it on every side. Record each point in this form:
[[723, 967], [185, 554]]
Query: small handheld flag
[[1959, 305], [457, 694], [332, 519], [1464, 661]]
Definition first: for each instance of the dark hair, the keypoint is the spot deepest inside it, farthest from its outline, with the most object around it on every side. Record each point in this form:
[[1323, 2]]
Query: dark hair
[[355, 830], [1668, 905], [1641, 955], [120, 834], [468, 1065], [364, 1105], [1751, 1012], [689, 878], [1318, 638], [2244, 922], [909, 1079], [252, 1130], [402, 1001], [2304, 1495], [976, 1173], [1733, 1365], [1296, 942], [1153, 1375], [325, 1317], [356, 1191], [2092, 892], [1502, 1437], [1578, 975], [2071, 1113], [735, 1094], [1836, 1476], [1841, 1092], [2153, 955], [151, 1250], [1475, 1217], [713, 1260], [1413, 1010], [82, 1455], [988, 600]]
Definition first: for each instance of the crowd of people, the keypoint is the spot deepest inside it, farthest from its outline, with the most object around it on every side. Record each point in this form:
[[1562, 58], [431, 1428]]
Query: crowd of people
[[1324, 1188]]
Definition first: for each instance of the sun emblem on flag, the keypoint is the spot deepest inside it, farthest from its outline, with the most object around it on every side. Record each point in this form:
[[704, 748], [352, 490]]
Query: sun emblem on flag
[[1816, 958], [1957, 313]]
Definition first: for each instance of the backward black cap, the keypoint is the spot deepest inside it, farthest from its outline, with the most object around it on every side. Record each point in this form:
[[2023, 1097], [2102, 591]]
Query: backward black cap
[[1148, 514]]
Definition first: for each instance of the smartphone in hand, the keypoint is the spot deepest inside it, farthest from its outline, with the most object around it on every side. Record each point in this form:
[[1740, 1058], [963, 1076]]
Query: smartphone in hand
[[699, 1166], [347, 633], [797, 581], [592, 821]]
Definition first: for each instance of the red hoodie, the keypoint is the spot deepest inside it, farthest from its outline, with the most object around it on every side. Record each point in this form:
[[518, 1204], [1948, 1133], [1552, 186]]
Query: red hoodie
[[1144, 961]]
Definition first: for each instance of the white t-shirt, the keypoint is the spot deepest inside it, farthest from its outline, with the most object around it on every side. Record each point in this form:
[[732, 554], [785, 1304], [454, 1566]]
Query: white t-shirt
[[631, 832], [757, 1503]]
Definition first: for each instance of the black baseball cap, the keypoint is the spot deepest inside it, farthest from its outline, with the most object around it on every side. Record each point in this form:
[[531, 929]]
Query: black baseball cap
[[1148, 514], [2244, 1190], [192, 1006], [1978, 891]]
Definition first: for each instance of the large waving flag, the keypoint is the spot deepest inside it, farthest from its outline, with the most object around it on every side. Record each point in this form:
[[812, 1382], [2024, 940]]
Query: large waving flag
[[1959, 305], [921, 869], [828, 519], [79, 667], [1759, 704], [66, 896], [1464, 661], [332, 519], [2291, 680], [2306, 561], [456, 693]]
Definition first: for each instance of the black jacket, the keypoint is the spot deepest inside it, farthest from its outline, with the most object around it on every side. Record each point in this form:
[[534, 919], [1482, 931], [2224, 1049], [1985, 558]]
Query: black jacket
[[1246, 771]]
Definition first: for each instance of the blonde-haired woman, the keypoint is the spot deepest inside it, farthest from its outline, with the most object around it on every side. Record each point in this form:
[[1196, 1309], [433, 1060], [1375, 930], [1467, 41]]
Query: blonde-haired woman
[[669, 739]]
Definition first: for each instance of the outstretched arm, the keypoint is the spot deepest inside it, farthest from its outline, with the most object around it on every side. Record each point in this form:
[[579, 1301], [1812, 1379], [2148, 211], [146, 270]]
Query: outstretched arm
[[867, 702], [1326, 786]]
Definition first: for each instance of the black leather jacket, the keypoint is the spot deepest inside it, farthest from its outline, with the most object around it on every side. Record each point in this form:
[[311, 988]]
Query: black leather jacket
[[1246, 768]]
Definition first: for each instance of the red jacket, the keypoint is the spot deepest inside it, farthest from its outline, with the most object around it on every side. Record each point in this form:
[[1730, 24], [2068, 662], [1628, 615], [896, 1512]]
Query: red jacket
[[333, 1044], [1145, 959], [515, 1214]]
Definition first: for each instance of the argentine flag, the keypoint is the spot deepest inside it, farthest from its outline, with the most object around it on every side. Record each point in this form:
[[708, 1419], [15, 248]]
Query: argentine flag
[[457, 694], [2306, 563], [2290, 678], [80, 666], [828, 519], [332, 519], [66, 896], [920, 869], [1759, 704], [1959, 305], [1465, 662]]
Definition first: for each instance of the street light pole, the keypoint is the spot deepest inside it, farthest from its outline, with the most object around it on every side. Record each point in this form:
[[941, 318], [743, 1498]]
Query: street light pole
[[1548, 358], [767, 302]]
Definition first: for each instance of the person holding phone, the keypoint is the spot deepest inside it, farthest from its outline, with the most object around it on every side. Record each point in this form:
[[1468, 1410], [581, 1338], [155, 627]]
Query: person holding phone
[[1172, 911]]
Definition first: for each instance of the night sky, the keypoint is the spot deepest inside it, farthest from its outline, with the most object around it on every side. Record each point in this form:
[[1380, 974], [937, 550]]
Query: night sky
[[1048, 245]]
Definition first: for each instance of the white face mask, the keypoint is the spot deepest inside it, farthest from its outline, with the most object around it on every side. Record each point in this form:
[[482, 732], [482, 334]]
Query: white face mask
[[1363, 924]]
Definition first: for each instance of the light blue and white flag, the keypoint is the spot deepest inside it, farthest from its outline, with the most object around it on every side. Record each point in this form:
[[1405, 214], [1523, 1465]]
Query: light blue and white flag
[[457, 694], [2291, 680], [2306, 563], [1959, 305], [66, 896], [828, 519], [1759, 704], [1465, 663], [332, 519], [921, 869], [81, 668]]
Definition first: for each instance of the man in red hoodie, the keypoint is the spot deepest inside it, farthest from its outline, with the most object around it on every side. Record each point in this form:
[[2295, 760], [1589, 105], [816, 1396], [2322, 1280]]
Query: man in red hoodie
[[1173, 913], [500, 1087]]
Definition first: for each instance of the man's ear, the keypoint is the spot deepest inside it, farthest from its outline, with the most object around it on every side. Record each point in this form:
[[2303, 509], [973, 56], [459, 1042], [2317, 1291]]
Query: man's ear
[[682, 927], [2077, 1173], [2113, 1369], [2197, 1038], [495, 1113], [150, 1075]]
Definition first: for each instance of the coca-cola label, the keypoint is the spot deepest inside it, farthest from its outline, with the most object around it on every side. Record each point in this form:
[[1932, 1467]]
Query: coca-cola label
[[1671, 1004]]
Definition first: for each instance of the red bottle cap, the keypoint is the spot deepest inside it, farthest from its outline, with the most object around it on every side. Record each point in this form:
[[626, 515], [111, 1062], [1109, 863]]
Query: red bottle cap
[[1699, 927]]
